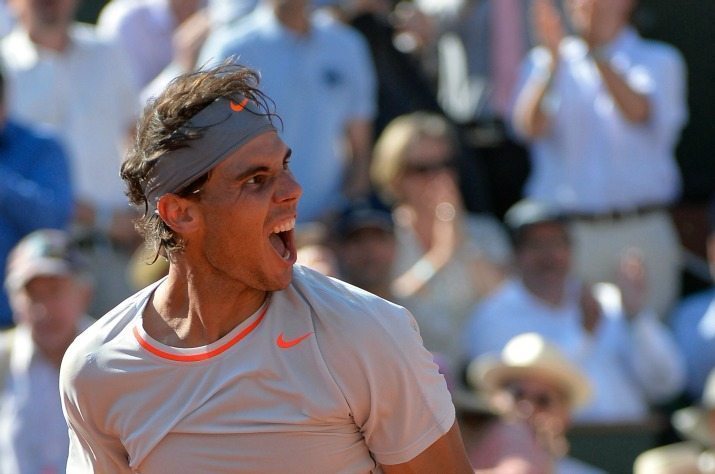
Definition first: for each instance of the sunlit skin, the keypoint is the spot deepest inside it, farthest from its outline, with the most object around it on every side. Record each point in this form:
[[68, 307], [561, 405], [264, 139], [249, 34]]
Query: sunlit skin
[[50, 306], [231, 248]]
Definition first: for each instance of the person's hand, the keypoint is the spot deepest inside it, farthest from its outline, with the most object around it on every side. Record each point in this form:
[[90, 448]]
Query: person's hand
[[603, 23], [590, 309], [446, 205], [631, 280], [550, 433], [547, 25]]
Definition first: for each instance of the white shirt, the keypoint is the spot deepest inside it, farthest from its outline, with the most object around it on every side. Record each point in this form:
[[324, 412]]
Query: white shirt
[[593, 159], [34, 432], [629, 364], [87, 94], [352, 387], [144, 28]]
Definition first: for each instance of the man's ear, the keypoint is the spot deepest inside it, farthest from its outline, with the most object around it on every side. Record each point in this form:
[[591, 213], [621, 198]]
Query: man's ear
[[180, 214]]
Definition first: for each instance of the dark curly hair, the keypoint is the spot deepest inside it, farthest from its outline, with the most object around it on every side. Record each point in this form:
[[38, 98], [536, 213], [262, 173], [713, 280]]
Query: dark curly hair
[[158, 132]]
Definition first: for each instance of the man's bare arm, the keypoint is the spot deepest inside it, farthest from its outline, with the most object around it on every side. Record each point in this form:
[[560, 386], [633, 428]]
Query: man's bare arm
[[634, 106], [446, 455]]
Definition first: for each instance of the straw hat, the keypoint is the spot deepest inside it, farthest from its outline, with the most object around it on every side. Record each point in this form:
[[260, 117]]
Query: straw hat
[[529, 354], [692, 422]]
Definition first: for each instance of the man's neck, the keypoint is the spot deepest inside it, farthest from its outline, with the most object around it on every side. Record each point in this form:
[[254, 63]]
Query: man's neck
[[190, 313], [54, 39], [294, 18], [552, 294]]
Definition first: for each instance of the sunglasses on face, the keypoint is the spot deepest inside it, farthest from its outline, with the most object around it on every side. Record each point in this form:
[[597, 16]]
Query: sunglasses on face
[[540, 399], [427, 168]]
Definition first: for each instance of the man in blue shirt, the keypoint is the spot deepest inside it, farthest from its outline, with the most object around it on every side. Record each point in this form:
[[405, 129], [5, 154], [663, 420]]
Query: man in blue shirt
[[320, 74], [693, 323], [36, 191]]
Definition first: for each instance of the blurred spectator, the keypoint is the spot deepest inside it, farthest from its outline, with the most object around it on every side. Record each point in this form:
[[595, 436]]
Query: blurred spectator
[[225, 12], [628, 354], [223, 15], [36, 190], [319, 73], [146, 267], [695, 455], [447, 259], [693, 323], [363, 237], [49, 292], [60, 73], [147, 30], [318, 257], [531, 380], [603, 112], [480, 47], [314, 250], [402, 85]]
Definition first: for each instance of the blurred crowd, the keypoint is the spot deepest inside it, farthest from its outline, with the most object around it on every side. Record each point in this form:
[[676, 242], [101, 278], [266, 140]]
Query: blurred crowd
[[505, 169]]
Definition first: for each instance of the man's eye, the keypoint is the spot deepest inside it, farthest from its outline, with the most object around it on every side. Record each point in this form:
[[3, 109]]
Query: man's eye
[[258, 179]]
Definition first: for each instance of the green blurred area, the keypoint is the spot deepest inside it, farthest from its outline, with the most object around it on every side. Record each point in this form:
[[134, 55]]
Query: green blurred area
[[88, 10]]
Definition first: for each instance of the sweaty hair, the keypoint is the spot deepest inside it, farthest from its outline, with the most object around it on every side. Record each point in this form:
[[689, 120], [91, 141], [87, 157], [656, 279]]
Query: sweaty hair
[[158, 131]]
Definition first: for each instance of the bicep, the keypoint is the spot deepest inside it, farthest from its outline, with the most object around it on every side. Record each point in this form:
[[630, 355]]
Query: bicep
[[445, 455]]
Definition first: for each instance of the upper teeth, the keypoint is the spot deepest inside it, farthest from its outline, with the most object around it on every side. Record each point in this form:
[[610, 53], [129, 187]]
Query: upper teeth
[[284, 227]]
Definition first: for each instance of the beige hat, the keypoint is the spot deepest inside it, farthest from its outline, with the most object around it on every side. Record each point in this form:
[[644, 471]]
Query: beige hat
[[528, 354], [44, 252], [692, 422]]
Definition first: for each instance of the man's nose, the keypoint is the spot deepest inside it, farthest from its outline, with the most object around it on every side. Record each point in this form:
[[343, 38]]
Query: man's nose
[[289, 189]]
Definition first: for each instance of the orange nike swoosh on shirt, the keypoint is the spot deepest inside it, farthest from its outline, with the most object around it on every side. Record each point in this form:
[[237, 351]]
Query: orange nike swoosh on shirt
[[238, 107], [283, 344]]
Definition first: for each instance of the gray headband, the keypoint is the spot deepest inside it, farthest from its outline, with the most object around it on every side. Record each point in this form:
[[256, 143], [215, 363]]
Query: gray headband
[[224, 125]]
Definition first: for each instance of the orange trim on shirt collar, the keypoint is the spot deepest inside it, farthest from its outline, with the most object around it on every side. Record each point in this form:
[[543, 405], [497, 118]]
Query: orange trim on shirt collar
[[202, 355]]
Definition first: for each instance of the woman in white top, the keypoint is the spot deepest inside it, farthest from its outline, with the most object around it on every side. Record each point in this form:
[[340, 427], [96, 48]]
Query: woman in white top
[[447, 259]]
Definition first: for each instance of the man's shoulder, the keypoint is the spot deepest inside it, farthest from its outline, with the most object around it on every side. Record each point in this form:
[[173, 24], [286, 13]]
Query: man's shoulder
[[91, 344], [510, 292], [333, 291], [37, 136], [337, 303], [693, 307]]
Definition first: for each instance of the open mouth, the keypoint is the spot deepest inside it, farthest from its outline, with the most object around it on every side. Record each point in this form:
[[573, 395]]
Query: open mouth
[[282, 239]]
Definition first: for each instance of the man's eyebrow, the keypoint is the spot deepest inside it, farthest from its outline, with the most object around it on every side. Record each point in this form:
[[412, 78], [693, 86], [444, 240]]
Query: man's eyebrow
[[261, 168]]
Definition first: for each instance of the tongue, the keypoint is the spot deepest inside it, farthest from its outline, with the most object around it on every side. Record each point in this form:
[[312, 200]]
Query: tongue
[[278, 244]]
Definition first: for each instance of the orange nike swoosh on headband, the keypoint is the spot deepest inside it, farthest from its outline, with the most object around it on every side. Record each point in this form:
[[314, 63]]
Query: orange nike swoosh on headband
[[283, 344], [238, 107]]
